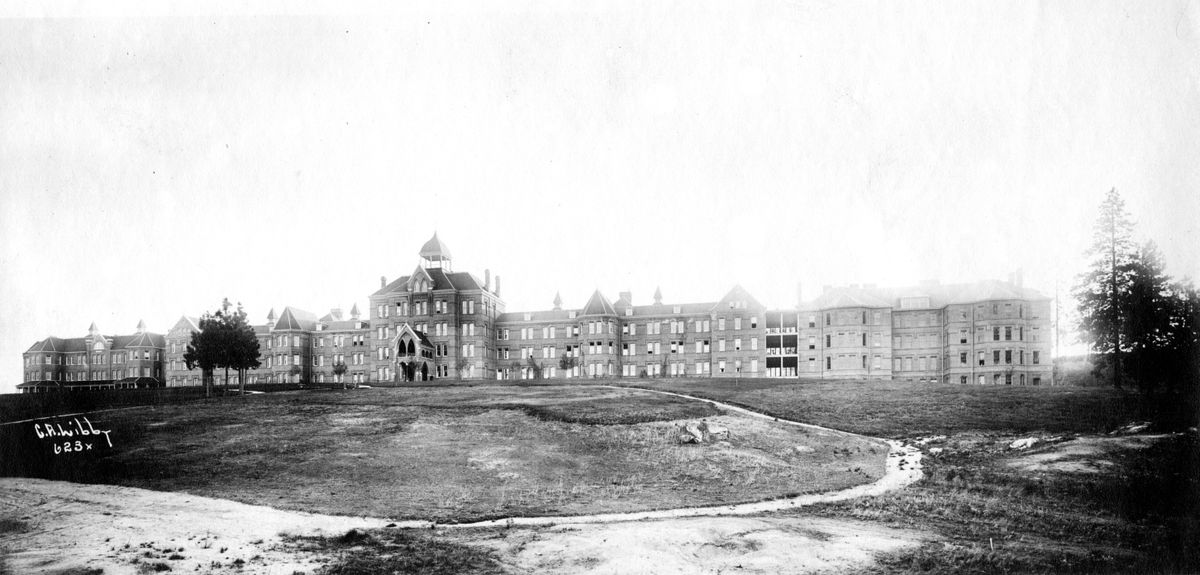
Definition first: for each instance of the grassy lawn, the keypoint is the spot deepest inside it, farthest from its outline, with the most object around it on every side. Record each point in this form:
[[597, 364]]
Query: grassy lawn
[[900, 410], [453, 454], [1141, 515]]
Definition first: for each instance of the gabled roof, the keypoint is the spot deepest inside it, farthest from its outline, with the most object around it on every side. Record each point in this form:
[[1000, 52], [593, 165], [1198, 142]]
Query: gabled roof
[[435, 249], [345, 325], [293, 318], [186, 322], [598, 305], [50, 344], [407, 328], [439, 279], [849, 297], [113, 342], [737, 294], [333, 315], [669, 309], [144, 339], [940, 295], [461, 281]]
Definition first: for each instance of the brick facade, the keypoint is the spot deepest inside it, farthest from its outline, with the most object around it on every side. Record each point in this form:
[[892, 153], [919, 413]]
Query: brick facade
[[988, 332]]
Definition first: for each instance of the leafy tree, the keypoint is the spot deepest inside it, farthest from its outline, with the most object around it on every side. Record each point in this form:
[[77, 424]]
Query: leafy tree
[[339, 369], [460, 366], [204, 350], [1104, 291], [535, 368], [225, 340], [567, 363]]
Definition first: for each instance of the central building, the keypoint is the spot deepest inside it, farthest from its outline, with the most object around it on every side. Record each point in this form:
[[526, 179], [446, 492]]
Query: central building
[[462, 320]]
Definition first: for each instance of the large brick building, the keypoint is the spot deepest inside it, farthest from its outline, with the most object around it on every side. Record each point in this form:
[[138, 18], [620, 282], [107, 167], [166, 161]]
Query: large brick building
[[439, 323], [95, 361]]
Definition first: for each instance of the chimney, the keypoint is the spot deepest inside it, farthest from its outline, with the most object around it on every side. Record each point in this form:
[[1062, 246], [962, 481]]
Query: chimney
[[487, 279], [382, 282], [497, 292]]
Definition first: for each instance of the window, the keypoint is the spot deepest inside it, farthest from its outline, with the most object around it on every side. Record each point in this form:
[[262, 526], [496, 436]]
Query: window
[[962, 336], [828, 363], [996, 357], [1036, 361], [828, 318], [1008, 356], [828, 340], [864, 339], [737, 323], [754, 344], [753, 322], [721, 324], [812, 342], [982, 361], [996, 334], [721, 344], [1008, 333], [962, 358]]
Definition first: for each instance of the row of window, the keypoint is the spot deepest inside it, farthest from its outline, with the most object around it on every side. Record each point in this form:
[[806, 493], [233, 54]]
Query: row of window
[[93, 375], [1035, 357], [440, 306], [673, 369], [630, 348], [96, 359]]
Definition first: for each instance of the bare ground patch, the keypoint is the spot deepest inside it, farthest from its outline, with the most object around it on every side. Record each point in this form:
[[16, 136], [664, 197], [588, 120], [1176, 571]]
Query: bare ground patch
[[1081, 455]]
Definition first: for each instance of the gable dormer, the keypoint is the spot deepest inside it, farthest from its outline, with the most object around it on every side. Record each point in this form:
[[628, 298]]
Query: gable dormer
[[420, 281]]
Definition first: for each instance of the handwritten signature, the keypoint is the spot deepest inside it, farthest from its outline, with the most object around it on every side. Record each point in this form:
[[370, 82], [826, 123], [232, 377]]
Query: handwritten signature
[[57, 430]]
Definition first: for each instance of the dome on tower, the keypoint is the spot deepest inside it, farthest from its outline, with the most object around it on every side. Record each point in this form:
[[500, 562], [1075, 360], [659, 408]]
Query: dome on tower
[[435, 249]]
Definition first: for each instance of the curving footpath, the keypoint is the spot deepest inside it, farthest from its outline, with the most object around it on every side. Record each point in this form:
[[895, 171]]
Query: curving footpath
[[903, 468]]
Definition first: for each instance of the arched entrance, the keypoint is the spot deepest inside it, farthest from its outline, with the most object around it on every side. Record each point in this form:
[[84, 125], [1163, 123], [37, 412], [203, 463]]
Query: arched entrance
[[424, 371]]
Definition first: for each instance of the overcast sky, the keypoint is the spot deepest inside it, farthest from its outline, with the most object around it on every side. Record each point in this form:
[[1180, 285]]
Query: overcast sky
[[151, 164]]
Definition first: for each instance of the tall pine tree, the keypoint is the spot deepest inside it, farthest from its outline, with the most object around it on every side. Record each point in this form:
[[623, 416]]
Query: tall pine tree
[[1103, 292], [1150, 312]]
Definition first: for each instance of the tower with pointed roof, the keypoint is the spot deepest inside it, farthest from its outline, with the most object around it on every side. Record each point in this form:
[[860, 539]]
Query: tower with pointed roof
[[435, 254], [454, 311]]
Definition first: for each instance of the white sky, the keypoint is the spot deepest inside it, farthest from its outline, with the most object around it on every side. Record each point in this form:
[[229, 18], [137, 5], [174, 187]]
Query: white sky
[[152, 164]]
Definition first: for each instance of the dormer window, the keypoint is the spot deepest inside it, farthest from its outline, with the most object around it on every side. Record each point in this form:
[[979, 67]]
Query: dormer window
[[676, 309]]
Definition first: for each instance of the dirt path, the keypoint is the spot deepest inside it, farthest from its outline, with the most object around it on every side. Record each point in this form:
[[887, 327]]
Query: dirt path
[[55, 526]]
